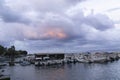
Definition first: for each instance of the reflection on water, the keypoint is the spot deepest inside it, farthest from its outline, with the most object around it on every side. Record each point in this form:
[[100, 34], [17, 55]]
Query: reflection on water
[[78, 71]]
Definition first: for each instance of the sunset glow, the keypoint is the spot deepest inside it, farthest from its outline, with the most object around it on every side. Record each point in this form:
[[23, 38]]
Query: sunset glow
[[55, 33]]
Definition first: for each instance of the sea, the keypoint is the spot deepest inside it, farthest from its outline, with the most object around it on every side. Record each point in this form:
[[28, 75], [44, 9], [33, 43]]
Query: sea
[[77, 71]]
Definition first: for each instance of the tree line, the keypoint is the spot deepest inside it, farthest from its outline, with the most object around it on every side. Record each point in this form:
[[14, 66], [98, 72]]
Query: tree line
[[4, 51]]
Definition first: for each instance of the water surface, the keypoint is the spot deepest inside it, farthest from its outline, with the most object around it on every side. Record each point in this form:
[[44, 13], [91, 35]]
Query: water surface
[[78, 71]]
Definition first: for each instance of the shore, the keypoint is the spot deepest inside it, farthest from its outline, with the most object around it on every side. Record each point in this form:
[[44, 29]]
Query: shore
[[63, 58], [96, 57]]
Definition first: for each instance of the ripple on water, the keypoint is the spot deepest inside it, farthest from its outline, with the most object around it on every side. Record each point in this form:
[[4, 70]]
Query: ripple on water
[[78, 71]]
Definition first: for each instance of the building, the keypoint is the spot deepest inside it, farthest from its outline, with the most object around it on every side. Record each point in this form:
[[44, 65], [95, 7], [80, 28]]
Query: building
[[45, 56], [48, 59]]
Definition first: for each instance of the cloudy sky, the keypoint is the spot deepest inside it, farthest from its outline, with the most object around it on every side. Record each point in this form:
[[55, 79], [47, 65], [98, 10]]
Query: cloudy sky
[[60, 25]]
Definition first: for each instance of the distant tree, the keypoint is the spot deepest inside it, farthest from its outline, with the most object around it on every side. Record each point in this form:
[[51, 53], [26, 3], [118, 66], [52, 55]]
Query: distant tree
[[24, 52], [11, 52], [2, 50], [21, 52]]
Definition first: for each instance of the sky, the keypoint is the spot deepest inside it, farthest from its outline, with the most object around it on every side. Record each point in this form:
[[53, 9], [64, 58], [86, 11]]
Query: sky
[[60, 25]]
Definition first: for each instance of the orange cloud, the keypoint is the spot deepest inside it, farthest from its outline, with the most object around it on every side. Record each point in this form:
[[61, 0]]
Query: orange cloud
[[55, 33]]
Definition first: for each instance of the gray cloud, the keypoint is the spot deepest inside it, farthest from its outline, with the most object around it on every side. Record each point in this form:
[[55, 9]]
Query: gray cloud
[[8, 15], [57, 27], [101, 22]]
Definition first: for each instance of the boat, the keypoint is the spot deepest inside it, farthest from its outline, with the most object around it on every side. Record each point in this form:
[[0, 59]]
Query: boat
[[24, 63], [3, 64]]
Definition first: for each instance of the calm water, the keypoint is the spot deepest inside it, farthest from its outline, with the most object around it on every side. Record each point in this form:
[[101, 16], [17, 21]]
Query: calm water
[[78, 71]]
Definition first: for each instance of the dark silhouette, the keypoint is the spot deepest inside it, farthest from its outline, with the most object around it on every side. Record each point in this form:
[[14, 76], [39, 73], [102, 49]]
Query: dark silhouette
[[11, 53]]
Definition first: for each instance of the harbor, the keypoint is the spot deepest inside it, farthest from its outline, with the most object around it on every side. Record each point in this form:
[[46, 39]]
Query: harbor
[[47, 59], [55, 60], [42, 59], [78, 71]]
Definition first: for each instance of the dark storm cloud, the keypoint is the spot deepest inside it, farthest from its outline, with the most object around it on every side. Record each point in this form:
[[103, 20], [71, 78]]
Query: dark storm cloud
[[99, 21], [8, 15]]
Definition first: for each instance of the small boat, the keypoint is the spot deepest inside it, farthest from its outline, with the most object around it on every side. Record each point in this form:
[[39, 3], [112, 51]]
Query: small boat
[[3, 64], [24, 63]]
